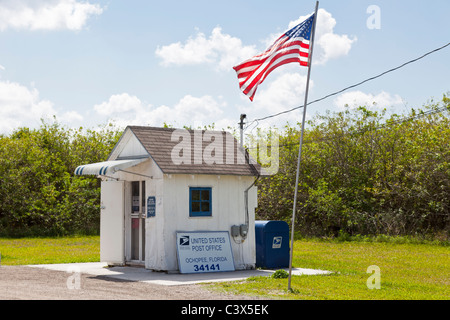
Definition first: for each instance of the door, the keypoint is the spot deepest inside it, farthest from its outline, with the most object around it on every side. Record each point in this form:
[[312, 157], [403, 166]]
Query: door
[[137, 223], [112, 222]]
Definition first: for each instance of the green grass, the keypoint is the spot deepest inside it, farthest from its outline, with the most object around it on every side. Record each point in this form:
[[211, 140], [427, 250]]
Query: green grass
[[25, 251], [408, 271]]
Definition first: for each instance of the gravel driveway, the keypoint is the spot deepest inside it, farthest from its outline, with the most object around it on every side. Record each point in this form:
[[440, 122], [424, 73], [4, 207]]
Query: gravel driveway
[[22, 282]]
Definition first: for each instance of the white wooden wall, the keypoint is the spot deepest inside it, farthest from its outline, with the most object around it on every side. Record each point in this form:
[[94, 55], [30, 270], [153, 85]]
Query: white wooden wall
[[172, 213], [227, 210]]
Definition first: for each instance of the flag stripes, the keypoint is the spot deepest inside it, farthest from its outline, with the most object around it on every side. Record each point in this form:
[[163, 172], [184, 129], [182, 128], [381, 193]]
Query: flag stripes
[[292, 46]]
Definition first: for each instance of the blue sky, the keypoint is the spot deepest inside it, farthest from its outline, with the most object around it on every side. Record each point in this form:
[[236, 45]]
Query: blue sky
[[150, 62]]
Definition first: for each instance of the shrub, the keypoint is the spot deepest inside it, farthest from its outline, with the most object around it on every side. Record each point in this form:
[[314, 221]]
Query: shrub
[[364, 172], [280, 274], [39, 194]]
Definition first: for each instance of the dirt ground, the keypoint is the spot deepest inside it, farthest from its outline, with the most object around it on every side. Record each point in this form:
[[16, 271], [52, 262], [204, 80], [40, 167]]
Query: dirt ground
[[26, 283]]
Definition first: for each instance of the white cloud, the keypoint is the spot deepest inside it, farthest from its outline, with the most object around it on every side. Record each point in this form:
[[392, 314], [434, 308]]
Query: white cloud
[[225, 51], [120, 104], [328, 45], [222, 50], [21, 106], [46, 14], [71, 116], [358, 98], [124, 109], [192, 109], [288, 89]]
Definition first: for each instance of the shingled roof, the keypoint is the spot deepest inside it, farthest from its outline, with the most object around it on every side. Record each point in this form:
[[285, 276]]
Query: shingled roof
[[160, 144]]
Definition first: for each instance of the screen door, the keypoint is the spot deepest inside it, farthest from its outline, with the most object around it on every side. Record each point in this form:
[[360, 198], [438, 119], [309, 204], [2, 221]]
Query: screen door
[[111, 222]]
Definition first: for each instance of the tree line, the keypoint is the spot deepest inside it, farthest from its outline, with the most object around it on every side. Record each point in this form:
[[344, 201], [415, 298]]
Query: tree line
[[39, 194], [362, 172]]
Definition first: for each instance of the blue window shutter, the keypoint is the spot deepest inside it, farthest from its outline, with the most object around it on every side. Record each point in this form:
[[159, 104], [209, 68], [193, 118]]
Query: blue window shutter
[[200, 202]]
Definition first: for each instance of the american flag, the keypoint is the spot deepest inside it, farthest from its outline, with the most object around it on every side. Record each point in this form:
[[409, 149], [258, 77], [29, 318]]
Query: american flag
[[292, 46]]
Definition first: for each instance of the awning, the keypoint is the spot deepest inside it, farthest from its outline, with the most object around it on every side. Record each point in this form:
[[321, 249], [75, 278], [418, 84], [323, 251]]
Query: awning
[[106, 167]]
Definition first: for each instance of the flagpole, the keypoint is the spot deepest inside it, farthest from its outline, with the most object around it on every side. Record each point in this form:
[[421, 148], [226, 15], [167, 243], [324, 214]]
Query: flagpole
[[301, 144]]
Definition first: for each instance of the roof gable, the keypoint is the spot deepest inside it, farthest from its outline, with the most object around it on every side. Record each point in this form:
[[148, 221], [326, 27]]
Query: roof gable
[[190, 151], [127, 147]]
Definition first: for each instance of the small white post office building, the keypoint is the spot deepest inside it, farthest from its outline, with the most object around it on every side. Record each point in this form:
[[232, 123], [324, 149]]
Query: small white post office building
[[159, 181]]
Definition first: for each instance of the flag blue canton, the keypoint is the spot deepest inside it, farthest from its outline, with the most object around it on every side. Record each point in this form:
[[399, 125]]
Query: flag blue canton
[[292, 46], [302, 30]]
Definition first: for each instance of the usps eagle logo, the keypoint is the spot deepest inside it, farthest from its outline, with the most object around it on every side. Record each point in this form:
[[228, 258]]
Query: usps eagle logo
[[184, 240]]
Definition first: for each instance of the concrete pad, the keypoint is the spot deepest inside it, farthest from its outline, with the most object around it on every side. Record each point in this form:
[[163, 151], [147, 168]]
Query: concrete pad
[[169, 279]]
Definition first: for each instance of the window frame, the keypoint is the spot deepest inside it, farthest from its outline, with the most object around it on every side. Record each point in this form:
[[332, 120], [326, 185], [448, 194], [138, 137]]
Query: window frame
[[200, 213]]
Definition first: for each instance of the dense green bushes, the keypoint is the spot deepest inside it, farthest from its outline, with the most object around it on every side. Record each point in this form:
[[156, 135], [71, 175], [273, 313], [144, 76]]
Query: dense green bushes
[[363, 174], [39, 194]]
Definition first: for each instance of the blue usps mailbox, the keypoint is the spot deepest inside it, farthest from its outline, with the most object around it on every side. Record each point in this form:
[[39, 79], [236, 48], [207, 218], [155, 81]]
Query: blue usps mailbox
[[272, 244]]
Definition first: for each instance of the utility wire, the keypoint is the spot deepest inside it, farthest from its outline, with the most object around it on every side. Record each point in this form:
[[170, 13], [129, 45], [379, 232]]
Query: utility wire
[[352, 86], [362, 131]]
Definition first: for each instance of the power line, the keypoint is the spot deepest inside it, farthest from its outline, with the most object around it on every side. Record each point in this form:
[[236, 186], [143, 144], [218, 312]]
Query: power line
[[362, 131], [352, 86]]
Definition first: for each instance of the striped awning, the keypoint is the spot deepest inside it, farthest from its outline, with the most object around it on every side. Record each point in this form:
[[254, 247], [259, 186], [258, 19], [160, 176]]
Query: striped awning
[[106, 167]]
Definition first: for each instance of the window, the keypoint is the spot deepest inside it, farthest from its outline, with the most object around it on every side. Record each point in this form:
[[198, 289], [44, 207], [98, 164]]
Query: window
[[200, 202], [138, 197], [135, 197]]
